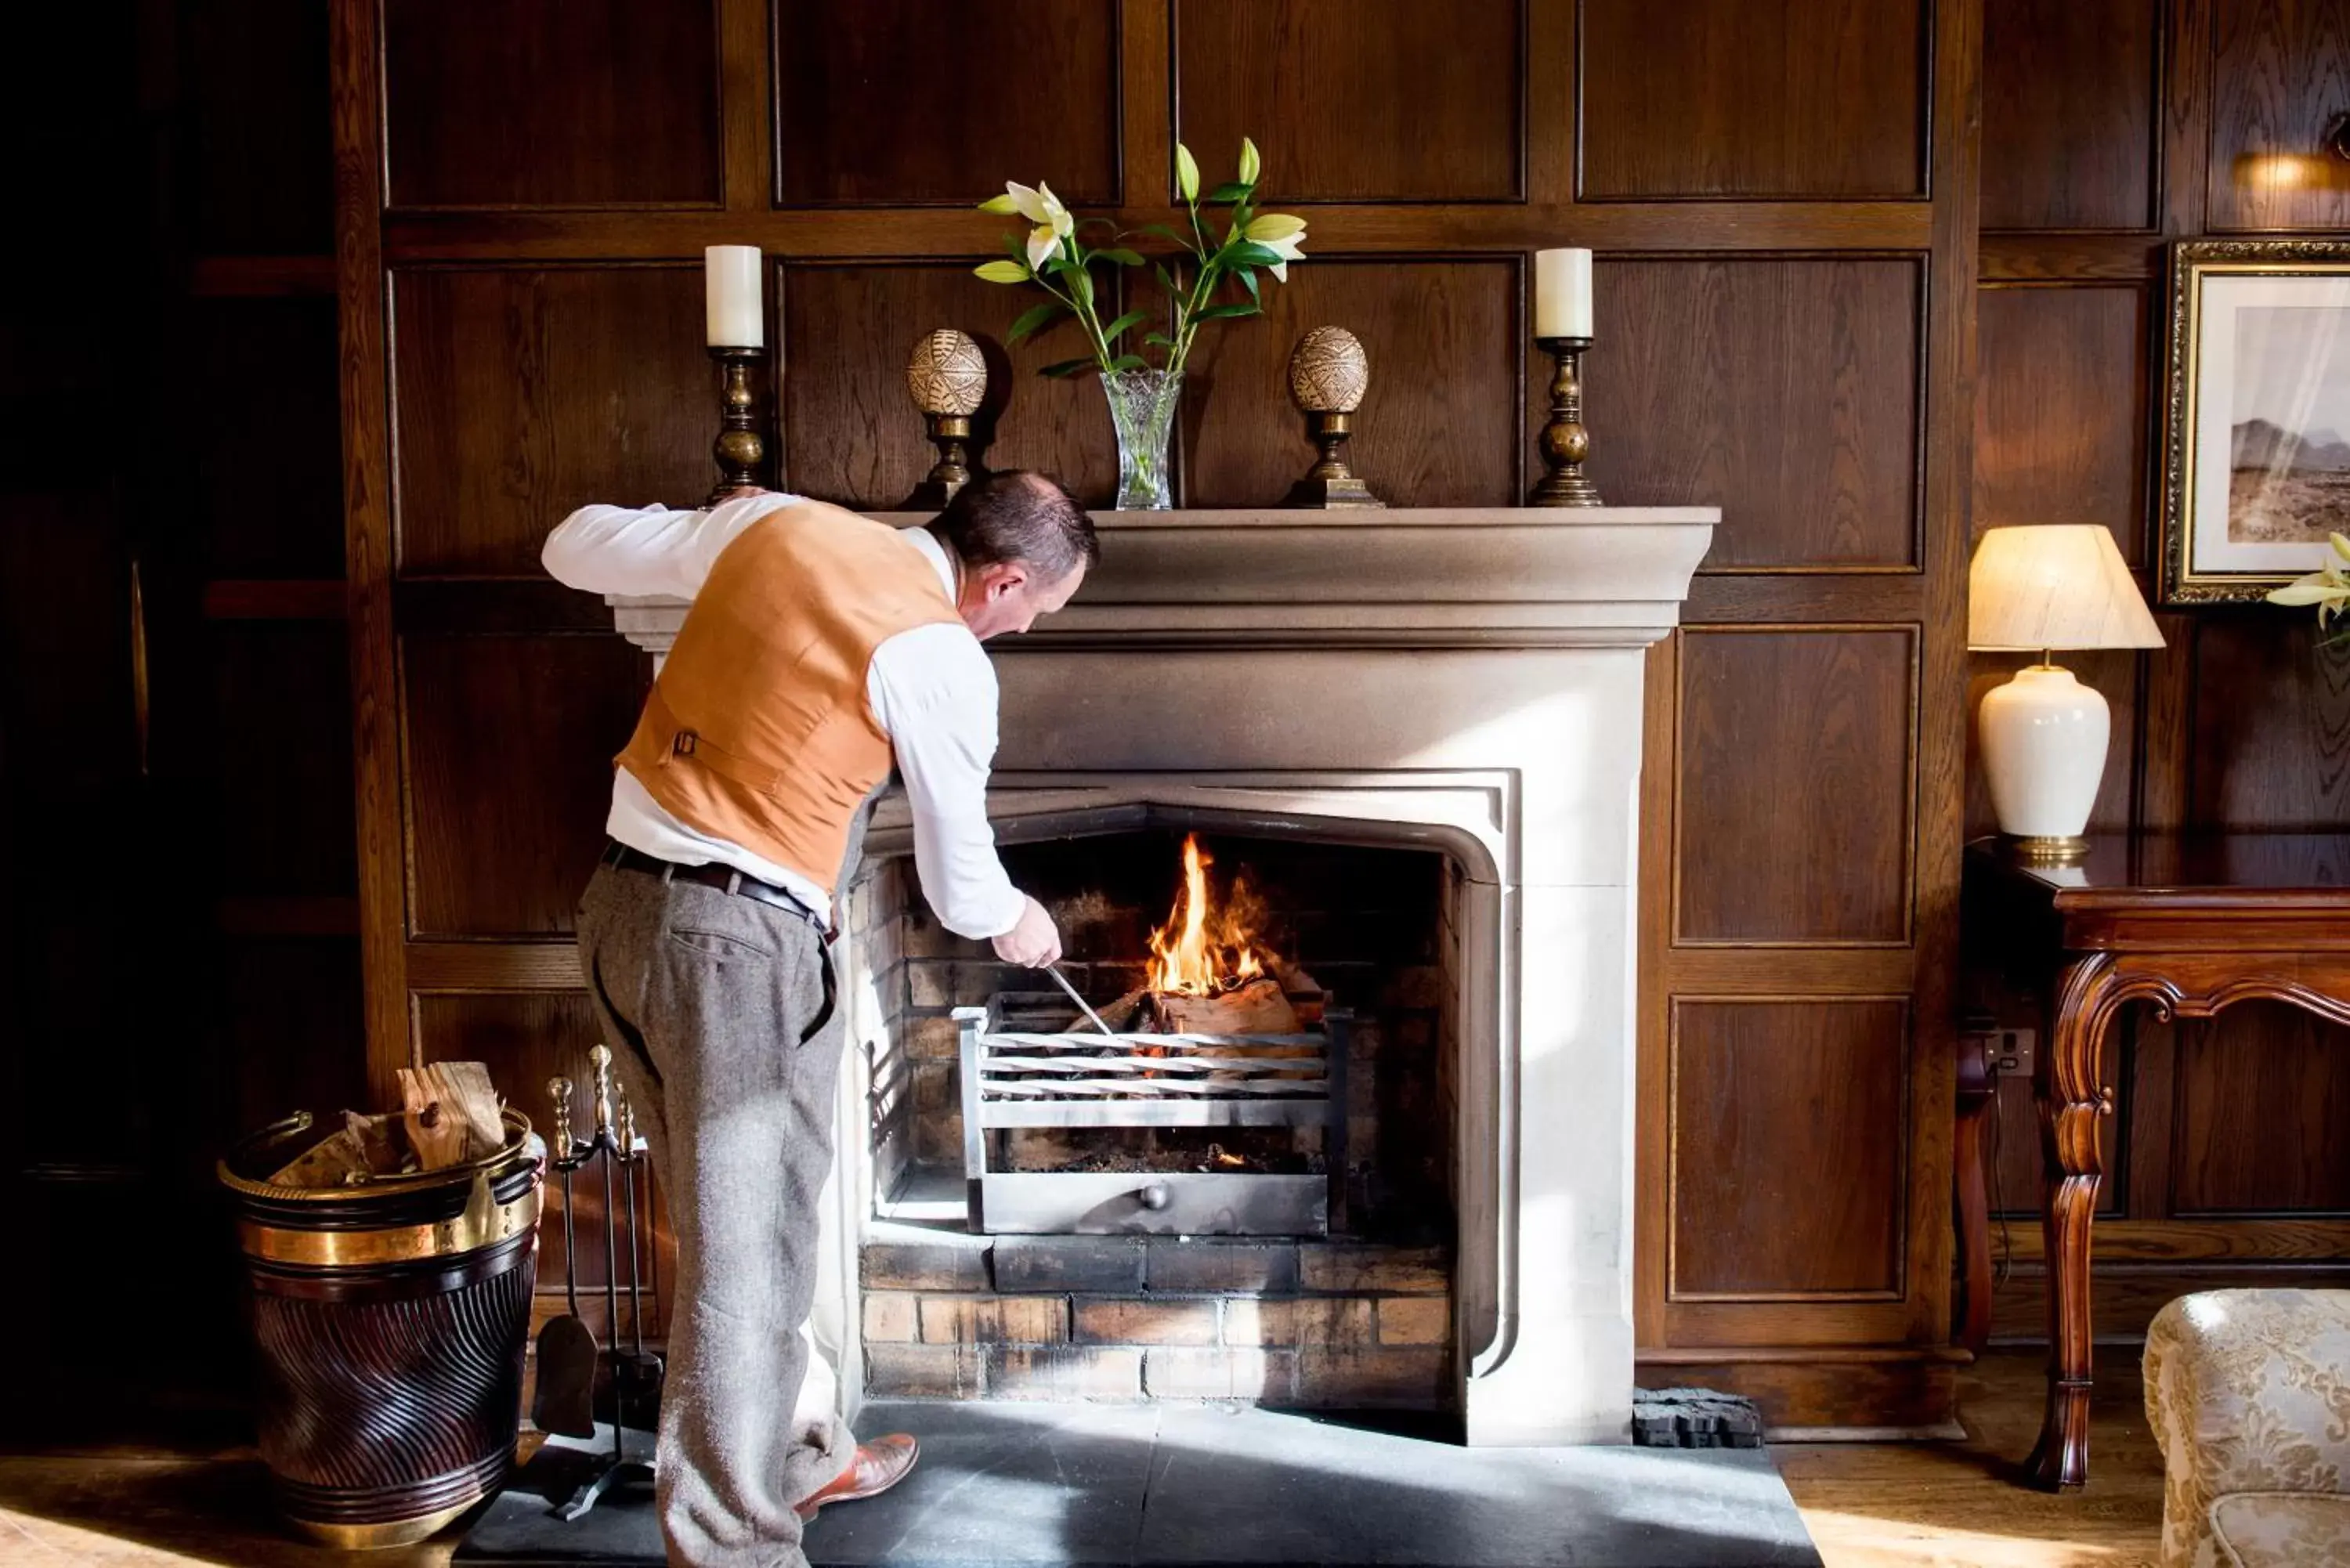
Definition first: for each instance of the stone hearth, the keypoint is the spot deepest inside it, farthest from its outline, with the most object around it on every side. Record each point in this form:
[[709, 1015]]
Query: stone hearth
[[1464, 682]]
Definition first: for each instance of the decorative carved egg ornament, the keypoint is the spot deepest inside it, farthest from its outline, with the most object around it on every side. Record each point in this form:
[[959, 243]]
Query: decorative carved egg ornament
[[947, 374], [1328, 373]]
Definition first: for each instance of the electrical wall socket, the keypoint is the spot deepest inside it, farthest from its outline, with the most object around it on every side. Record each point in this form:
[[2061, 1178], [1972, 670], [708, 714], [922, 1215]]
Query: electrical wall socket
[[2009, 1052]]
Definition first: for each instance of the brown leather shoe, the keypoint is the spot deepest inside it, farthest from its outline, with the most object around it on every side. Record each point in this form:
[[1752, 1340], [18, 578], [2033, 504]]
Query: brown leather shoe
[[879, 1466]]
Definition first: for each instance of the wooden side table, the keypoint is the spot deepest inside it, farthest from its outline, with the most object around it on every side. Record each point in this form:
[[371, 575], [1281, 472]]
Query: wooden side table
[[2190, 923]]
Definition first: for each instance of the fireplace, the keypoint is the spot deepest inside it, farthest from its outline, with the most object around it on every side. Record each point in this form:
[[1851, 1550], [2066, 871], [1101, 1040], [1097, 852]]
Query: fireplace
[[1454, 692], [1255, 1177]]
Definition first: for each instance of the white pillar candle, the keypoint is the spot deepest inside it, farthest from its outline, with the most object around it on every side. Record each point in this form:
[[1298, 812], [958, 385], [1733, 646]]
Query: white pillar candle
[[1563, 293], [734, 307]]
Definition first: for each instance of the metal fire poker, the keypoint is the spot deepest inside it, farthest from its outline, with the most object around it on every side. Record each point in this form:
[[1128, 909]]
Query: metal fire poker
[[1082, 1005]]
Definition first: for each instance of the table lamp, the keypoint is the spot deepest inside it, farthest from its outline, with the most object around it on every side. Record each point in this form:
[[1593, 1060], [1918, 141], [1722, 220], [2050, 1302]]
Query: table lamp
[[2045, 588]]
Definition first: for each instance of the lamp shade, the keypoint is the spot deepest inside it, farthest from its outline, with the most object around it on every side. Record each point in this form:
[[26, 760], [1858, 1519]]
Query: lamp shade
[[2055, 586]]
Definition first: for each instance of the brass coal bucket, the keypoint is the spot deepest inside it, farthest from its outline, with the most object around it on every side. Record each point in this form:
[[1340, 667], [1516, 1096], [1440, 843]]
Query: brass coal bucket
[[389, 1323]]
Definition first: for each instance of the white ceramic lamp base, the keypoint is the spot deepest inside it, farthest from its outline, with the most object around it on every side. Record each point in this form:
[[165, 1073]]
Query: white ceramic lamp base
[[2044, 750]]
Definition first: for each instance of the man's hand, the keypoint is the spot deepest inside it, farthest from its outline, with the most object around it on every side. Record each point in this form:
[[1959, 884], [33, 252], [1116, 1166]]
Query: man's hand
[[1035, 941]]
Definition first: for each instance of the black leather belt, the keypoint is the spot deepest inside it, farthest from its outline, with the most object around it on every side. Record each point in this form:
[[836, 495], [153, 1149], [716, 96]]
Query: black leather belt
[[725, 878]]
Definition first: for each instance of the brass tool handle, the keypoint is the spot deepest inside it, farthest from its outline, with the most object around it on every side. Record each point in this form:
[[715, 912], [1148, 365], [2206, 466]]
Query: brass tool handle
[[601, 1059], [628, 1127], [559, 1091]]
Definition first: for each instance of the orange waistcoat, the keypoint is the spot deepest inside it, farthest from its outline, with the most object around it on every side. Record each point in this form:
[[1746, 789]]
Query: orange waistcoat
[[758, 730]]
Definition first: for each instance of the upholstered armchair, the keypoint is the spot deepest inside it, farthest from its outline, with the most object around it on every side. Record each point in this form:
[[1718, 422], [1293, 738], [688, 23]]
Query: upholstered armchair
[[2248, 1392]]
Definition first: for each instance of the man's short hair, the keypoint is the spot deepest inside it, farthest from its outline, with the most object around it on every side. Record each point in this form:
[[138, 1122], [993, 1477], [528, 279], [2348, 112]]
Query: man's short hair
[[1019, 516]]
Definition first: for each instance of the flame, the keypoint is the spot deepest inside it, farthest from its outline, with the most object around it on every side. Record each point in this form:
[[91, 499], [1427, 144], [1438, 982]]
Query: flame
[[1203, 948]]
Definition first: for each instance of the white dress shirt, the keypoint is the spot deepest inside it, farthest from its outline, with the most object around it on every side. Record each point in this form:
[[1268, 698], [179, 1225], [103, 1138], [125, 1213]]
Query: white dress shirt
[[931, 690]]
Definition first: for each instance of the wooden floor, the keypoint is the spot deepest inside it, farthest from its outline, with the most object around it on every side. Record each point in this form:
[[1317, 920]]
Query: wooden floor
[[1880, 1504], [1868, 1505]]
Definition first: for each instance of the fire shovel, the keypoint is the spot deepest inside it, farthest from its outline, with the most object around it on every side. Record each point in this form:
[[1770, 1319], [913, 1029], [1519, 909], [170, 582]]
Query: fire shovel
[[564, 1399]]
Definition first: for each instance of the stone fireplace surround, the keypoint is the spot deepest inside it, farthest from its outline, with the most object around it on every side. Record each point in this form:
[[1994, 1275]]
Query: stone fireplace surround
[[1462, 680]]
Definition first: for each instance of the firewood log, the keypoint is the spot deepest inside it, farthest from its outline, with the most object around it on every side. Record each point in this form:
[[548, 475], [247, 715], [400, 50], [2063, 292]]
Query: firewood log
[[1257, 1007], [338, 1160], [382, 1140], [1121, 1015], [451, 1113], [467, 1085]]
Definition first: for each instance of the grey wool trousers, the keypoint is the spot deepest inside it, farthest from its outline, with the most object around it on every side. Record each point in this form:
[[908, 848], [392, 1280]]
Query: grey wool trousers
[[720, 1013]]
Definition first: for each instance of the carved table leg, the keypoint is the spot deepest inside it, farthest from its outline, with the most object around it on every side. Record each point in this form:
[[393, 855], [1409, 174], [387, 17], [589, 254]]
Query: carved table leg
[[2072, 1102]]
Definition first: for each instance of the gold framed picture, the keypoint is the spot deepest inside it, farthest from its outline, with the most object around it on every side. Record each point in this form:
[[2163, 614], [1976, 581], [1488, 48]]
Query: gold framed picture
[[2256, 429]]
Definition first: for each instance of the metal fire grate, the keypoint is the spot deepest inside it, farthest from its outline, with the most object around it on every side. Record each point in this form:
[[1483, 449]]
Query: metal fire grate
[[1015, 1074]]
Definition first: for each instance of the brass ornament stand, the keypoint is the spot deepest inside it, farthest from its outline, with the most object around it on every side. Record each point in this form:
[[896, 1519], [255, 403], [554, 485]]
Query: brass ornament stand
[[1565, 444], [637, 1372], [1328, 374], [741, 449], [947, 379]]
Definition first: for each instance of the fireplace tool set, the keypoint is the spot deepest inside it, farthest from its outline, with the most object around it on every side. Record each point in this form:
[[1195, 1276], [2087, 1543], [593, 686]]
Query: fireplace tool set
[[569, 1357]]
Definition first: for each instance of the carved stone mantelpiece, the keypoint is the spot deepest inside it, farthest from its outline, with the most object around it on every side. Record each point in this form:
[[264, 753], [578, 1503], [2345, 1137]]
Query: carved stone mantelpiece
[[1467, 678]]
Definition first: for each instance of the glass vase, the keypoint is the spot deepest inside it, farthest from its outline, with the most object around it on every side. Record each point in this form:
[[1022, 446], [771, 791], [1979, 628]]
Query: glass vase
[[1142, 410]]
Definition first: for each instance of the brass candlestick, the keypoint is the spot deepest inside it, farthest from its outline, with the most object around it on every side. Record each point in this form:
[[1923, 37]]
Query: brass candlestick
[[1328, 374], [740, 449], [947, 379], [1566, 443]]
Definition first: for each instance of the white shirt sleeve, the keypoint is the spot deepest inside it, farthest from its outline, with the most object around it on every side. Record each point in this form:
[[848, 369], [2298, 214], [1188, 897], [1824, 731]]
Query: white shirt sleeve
[[933, 692], [648, 549]]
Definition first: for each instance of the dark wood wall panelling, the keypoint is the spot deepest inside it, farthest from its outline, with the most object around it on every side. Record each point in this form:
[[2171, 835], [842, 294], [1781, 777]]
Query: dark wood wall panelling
[[2111, 128], [2279, 74], [1804, 737], [1787, 391], [542, 715], [1724, 98], [2069, 113], [1764, 1209], [566, 103], [189, 970], [1772, 196], [1376, 100], [913, 102], [490, 368], [1796, 779]]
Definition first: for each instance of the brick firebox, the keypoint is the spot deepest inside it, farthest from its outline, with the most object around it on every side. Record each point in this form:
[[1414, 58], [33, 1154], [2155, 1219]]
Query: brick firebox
[[1128, 1317]]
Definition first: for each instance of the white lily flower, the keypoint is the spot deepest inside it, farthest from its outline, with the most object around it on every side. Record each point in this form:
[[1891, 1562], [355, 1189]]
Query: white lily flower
[[1032, 204], [2327, 587], [2312, 590], [1043, 208], [1041, 244], [1289, 248], [1282, 233]]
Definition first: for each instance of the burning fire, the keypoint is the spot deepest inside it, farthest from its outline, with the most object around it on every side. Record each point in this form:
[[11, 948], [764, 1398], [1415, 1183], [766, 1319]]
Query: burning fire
[[1204, 948]]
